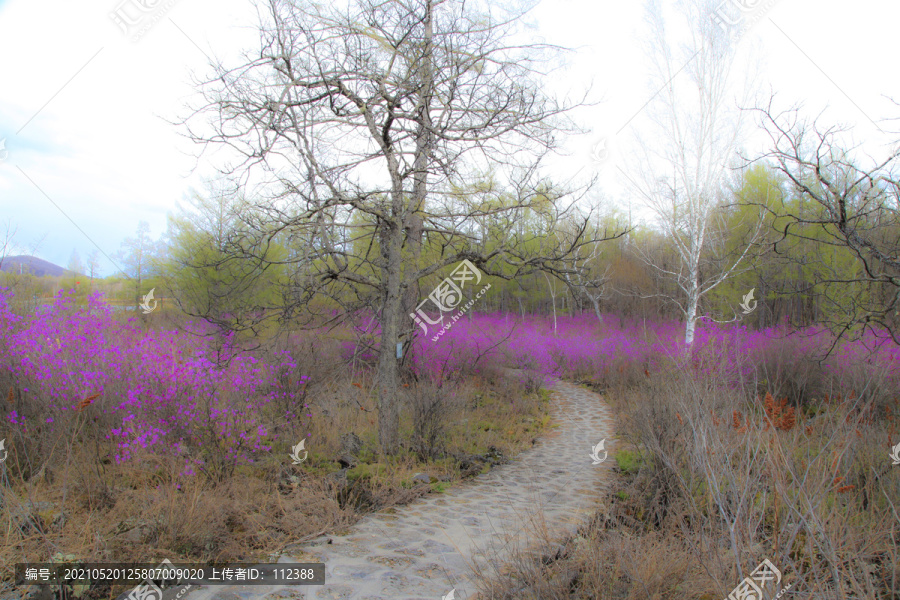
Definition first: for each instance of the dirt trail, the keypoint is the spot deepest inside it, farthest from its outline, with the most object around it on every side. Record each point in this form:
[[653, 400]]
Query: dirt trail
[[426, 549]]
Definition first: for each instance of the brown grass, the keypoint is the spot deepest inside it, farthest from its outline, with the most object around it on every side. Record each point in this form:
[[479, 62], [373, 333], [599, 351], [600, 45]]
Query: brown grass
[[720, 479], [146, 509]]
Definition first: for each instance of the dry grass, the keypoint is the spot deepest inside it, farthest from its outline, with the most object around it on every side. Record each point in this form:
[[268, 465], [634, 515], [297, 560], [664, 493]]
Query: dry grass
[[719, 479], [68, 496]]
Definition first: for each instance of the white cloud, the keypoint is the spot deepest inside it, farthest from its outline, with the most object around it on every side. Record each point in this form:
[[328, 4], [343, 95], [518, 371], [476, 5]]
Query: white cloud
[[102, 152]]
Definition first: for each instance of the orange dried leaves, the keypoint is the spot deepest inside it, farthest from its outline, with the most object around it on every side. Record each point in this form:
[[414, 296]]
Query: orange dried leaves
[[86, 402], [779, 414]]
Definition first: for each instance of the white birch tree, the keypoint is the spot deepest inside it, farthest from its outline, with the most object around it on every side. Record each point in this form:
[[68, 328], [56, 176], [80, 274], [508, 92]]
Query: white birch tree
[[696, 130]]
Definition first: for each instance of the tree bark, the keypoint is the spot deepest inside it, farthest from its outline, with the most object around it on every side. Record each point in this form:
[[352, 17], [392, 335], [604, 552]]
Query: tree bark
[[388, 365]]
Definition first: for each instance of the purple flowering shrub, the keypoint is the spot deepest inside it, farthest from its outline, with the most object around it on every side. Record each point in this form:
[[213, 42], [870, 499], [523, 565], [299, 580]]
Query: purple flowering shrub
[[74, 365], [160, 391], [778, 359]]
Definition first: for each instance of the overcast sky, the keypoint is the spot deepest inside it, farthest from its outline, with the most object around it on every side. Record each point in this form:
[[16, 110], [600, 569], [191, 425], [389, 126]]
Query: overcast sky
[[89, 152]]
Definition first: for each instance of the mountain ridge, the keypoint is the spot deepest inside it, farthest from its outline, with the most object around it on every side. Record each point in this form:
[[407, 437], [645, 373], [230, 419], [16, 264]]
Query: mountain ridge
[[31, 264]]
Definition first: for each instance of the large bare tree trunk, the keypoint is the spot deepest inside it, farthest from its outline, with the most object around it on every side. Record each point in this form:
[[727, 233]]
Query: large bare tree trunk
[[388, 365], [420, 177], [379, 69]]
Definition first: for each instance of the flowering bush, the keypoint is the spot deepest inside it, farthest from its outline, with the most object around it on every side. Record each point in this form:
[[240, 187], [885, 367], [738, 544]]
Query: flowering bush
[[158, 390], [778, 359], [166, 390]]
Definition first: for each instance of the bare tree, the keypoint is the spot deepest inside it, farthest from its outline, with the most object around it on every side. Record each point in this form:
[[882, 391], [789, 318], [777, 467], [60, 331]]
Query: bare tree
[[591, 275], [208, 278], [93, 266], [75, 266], [375, 120], [7, 242], [842, 207], [21, 281], [75, 270], [696, 136], [136, 254]]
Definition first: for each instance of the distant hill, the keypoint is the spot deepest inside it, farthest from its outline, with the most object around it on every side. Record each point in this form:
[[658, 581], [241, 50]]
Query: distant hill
[[30, 264]]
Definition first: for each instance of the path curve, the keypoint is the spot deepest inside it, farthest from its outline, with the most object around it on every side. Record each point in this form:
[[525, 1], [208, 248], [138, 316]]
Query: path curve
[[427, 548]]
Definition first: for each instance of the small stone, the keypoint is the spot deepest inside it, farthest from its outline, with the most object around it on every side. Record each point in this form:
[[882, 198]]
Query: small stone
[[285, 594], [41, 516], [345, 572], [430, 571], [133, 535], [335, 592], [396, 583], [340, 478], [347, 461], [392, 561], [421, 478], [226, 596], [38, 592], [351, 444], [434, 546]]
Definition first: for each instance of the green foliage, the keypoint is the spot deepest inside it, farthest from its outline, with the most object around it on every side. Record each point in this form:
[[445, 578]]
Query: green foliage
[[139, 258], [210, 269], [367, 471], [439, 487], [27, 290], [787, 281], [630, 462]]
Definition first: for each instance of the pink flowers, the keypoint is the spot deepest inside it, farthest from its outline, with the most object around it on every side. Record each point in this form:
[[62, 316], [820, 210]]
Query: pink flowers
[[153, 386], [583, 347], [162, 390]]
